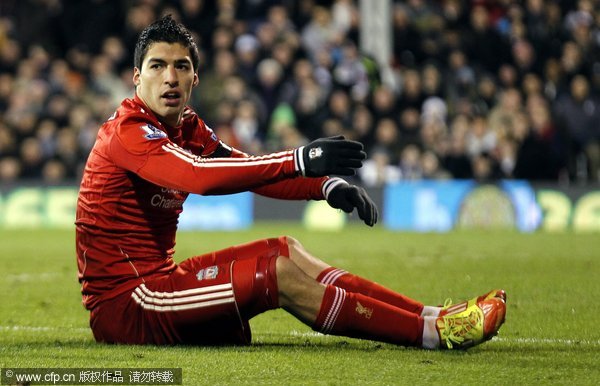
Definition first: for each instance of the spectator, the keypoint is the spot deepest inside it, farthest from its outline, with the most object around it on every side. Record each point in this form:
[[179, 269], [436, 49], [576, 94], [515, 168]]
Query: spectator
[[320, 32], [211, 90], [486, 95], [268, 86], [484, 45], [245, 127], [387, 138], [432, 81], [480, 139], [536, 159], [10, 170], [411, 94], [409, 127], [405, 37], [53, 172], [384, 103], [30, 154], [378, 170], [302, 72], [431, 168], [247, 55], [410, 163], [484, 168], [362, 126], [456, 160], [310, 108], [8, 143], [579, 113], [350, 73], [510, 104], [340, 107]]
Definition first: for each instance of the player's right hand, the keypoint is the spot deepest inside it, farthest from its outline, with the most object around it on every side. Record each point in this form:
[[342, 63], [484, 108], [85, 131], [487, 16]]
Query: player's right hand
[[333, 155], [346, 197]]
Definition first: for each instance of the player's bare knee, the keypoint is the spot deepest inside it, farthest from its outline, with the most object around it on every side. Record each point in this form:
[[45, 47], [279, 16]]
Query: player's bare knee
[[296, 251], [308, 263], [294, 245]]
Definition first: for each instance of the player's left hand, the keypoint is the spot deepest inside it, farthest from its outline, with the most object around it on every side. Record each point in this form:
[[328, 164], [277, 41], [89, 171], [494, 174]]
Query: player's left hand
[[347, 197]]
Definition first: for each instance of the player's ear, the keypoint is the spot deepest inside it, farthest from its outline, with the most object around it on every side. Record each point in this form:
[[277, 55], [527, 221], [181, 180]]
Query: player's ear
[[136, 76], [196, 80]]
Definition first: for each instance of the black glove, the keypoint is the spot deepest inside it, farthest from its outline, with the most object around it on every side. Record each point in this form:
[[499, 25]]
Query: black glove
[[347, 197], [334, 155]]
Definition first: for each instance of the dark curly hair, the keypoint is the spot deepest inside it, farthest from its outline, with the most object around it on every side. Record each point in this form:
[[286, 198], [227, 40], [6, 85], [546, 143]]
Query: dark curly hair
[[165, 30]]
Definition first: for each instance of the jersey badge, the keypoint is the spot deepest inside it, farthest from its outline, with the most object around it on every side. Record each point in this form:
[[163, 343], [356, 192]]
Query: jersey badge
[[153, 132], [315, 152], [208, 273]]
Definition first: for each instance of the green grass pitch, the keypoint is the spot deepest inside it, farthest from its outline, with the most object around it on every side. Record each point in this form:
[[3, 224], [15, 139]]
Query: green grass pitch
[[551, 334]]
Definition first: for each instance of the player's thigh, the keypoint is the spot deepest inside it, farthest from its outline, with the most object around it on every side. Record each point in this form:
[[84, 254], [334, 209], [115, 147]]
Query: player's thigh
[[211, 306], [214, 303], [276, 246]]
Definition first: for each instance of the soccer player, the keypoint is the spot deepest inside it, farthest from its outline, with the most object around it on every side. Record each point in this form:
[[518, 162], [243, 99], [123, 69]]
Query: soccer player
[[151, 154]]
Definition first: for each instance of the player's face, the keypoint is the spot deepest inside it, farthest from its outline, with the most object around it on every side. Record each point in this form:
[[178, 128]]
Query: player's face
[[165, 80]]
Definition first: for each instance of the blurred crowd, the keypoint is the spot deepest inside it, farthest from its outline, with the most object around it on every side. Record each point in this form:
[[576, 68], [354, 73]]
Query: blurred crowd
[[483, 89]]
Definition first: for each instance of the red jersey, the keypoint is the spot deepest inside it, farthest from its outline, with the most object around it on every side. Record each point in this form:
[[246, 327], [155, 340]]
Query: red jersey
[[137, 176]]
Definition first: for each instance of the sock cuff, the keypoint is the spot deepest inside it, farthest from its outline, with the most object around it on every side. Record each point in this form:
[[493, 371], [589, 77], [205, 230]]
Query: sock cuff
[[330, 275], [331, 306]]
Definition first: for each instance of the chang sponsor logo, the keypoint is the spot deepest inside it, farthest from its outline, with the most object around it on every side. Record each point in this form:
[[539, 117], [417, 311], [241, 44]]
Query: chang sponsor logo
[[160, 201], [168, 198]]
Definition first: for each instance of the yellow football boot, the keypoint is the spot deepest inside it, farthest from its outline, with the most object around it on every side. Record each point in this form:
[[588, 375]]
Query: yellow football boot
[[472, 322], [449, 308]]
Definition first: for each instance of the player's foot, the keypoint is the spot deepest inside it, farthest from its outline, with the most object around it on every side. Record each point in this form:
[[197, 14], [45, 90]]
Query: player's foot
[[476, 322], [449, 308]]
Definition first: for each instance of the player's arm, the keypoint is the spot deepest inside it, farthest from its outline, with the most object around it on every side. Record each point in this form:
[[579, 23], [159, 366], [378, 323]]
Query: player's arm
[[296, 188], [145, 150], [338, 193]]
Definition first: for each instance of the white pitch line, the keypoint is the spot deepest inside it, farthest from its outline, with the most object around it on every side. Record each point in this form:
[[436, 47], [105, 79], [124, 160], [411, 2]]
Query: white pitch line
[[527, 341], [313, 334], [41, 276], [43, 328], [549, 341]]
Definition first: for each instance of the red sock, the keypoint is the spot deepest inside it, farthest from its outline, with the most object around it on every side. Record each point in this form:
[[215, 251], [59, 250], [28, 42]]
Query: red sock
[[358, 316], [353, 283]]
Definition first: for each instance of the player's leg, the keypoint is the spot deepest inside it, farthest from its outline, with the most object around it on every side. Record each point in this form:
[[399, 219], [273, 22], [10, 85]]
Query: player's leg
[[326, 274], [313, 267], [268, 281], [333, 310]]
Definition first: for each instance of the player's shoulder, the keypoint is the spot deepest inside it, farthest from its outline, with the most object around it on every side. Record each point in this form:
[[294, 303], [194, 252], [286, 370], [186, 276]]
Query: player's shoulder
[[131, 112]]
